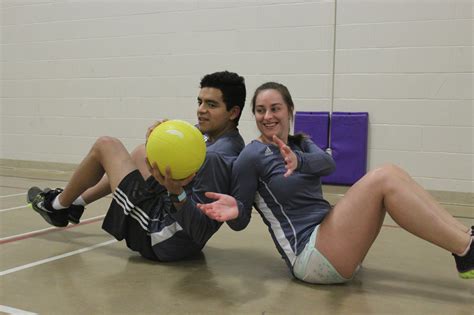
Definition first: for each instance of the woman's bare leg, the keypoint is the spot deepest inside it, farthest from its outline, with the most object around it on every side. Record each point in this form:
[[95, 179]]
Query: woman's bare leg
[[429, 199], [349, 230]]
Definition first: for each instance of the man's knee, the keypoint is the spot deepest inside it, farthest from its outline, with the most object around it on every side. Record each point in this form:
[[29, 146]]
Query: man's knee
[[105, 146], [139, 159], [139, 153], [106, 141]]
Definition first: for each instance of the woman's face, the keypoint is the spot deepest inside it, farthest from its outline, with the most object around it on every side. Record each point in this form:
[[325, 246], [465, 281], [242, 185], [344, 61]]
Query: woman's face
[[271, 115]]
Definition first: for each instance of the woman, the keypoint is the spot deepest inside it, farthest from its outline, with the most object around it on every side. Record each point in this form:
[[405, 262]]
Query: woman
[[280, 174]]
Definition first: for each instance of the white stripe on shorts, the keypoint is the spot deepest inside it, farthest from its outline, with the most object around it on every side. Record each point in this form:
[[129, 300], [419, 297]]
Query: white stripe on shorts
[[129, 209], [166, 233]]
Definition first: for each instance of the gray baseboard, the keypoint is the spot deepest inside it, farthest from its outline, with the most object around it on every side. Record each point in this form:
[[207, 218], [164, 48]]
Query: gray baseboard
[[63, 171]]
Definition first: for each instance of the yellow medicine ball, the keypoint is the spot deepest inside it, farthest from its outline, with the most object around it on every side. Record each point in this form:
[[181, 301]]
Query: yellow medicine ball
[[177, 144]]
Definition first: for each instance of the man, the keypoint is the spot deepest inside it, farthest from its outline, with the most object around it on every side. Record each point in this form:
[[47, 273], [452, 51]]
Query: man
[[157, 216]]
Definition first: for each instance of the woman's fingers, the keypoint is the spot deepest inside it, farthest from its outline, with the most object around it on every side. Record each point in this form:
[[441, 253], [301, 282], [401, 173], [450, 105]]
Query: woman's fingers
[[291, 162], [277, 140], [208, 210], [213, 195]]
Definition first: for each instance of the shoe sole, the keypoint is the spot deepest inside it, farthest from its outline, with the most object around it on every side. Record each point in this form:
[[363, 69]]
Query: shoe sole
[[467, 275], [32, 193]]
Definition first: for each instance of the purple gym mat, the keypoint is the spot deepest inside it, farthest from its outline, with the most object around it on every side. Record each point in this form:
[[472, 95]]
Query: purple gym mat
[[315, 125], [349, 133]]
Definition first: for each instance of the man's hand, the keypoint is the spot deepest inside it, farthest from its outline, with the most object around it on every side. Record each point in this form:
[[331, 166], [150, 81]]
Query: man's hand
[[150, 129], [172, 185]]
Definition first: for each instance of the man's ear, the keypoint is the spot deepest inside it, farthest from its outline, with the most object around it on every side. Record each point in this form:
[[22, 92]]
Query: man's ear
[[234, 112]]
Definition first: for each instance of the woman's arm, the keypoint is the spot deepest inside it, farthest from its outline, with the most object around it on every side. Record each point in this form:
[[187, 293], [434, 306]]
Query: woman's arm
[[309, 160], [313, 160], [236, 210]]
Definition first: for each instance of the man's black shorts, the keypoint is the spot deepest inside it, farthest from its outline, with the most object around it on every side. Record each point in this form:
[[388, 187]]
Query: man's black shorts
[[128, 216]]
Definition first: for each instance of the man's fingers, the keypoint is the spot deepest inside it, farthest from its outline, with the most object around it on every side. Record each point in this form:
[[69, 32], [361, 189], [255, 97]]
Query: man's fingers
[[168, 172], [153, 126], [150, 129], [148, 165], [187, 180], [157, 173]]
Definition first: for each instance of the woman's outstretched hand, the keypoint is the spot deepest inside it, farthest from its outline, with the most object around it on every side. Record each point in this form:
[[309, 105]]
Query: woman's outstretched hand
[[291, 162], [223, 209]]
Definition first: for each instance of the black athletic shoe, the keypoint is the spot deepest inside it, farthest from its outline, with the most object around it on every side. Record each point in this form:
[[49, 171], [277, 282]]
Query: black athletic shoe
[[74, 213], [465, 264], [41, 202]]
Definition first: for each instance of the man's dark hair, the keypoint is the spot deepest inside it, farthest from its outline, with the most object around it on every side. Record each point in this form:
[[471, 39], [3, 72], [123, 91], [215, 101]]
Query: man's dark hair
[[232, 87]]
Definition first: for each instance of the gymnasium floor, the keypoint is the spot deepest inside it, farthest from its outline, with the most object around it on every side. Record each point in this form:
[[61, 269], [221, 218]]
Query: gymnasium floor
[[82, 270]]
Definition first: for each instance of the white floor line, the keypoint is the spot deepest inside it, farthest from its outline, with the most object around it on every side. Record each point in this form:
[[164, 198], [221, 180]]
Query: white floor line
[[47, 260], [46, 229], [20, 207], [6, 196], [14, 311]]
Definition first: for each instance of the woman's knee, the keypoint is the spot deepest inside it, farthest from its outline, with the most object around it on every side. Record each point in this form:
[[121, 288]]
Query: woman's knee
[[383, 176]]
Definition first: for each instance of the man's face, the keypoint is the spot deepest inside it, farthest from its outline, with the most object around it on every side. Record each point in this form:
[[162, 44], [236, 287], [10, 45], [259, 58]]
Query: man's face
[[213, 117]]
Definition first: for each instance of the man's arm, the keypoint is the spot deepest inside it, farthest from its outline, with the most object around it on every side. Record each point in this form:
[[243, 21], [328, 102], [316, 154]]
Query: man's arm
[[214, 176]]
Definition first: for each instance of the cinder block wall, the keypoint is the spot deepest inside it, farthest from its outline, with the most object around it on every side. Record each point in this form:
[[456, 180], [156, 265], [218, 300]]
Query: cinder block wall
[[75, 70], [409, 64]]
